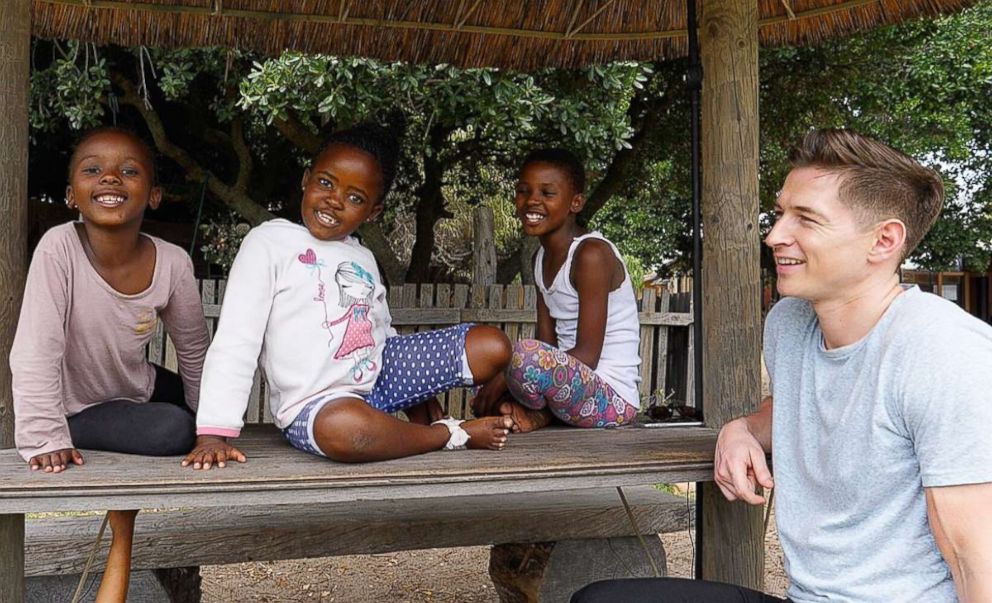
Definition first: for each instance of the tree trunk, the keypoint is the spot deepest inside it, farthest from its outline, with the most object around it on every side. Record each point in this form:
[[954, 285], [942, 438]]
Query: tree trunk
[[733, 546], [643, 114], [430, 209]]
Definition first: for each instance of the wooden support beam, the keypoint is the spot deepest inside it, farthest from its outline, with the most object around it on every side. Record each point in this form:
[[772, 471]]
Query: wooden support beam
[[484, 246], [464, 16], [15, 49], [733, 542], [12, 555], [599, 11], [575, 17]]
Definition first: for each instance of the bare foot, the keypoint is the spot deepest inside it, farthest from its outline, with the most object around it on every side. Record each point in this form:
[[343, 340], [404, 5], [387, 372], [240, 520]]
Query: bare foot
[[426, 412], [488, 432], [525, 419]]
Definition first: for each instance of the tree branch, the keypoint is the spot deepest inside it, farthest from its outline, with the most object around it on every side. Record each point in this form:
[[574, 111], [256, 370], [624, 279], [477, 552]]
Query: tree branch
[[376, 240], [296, 132], [240, 202], [644, 112], [245, 162]]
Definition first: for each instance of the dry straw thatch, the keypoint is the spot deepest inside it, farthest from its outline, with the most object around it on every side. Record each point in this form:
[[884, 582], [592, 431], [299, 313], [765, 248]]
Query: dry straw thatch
[[517, 34]]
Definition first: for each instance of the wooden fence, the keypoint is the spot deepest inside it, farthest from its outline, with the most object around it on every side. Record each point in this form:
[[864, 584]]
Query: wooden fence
[[666, 336]]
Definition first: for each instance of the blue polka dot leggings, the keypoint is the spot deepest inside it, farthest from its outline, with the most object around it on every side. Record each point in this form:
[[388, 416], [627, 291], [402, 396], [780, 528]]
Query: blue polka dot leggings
[[415, 368], [419, 366]]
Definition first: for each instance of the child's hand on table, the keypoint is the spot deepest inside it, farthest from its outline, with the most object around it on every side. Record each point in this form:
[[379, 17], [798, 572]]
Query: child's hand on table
[[211, 450], [56, 461]]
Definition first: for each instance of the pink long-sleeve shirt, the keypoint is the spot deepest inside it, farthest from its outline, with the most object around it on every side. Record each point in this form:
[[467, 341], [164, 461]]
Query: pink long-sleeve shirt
[[80, 342]]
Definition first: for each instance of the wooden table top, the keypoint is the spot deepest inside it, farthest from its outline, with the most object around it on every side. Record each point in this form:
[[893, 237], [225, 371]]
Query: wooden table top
[[547, 460]]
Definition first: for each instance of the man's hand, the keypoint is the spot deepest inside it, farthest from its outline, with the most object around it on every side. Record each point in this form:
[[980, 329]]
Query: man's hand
[[739, 463], [210, 450], [56, 461]]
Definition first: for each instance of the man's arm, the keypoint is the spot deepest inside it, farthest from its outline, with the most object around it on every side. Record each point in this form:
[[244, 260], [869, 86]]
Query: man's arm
[[739, 464], [961, 521], [759, 423]]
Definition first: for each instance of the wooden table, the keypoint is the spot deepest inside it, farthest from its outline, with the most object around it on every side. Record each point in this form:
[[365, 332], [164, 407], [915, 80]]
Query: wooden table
[[549, 460]]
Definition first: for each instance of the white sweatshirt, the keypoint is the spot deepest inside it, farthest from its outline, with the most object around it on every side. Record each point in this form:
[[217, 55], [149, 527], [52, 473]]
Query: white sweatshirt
[[315, 311]]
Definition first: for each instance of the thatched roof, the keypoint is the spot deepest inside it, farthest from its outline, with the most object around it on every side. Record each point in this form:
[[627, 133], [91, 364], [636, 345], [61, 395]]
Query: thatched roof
[[519, 34]]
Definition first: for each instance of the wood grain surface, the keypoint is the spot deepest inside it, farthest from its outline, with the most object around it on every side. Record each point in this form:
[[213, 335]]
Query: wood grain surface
[[549, 460]]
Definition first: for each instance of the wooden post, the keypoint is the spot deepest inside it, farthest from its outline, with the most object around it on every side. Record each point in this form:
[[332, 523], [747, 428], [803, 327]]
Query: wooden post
[[484, 248], [15, 48], [733, 542]]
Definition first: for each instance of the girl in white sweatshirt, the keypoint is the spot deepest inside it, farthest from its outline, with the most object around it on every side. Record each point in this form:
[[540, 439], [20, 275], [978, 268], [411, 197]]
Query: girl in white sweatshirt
[[307, 301]]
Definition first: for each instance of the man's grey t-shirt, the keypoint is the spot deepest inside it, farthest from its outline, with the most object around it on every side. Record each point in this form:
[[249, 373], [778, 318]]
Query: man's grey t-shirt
[[858, 432]]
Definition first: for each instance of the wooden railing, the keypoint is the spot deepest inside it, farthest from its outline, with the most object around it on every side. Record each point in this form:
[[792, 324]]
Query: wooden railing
[[666, 336]]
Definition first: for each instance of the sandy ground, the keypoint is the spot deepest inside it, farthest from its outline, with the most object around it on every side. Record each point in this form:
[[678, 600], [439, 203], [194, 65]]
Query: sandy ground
[[455, 575]]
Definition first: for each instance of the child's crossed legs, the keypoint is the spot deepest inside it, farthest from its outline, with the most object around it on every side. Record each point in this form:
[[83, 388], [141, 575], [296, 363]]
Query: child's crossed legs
[[545, 379], [415, 369]]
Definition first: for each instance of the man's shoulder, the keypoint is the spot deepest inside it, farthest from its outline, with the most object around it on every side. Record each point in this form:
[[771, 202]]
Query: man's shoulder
[[929, 320]]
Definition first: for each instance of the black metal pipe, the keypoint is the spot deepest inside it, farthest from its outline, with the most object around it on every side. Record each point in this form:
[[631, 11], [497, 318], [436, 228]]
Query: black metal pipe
[[694, 83]]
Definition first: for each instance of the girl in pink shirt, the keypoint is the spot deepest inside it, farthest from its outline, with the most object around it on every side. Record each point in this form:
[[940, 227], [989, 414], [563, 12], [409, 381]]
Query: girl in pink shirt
[[94, 293]]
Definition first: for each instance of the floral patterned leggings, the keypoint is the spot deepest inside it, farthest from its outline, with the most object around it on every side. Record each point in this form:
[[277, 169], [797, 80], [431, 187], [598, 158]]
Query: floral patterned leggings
[[543, 376]]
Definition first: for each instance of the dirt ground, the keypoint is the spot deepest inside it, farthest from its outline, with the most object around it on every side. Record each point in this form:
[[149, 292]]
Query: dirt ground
[[455, 575]]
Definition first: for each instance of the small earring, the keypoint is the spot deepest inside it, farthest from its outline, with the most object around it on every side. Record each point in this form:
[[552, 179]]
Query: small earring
[[69, 203]]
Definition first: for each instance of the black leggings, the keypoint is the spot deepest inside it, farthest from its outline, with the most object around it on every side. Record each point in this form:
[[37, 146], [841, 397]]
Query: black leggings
[[668, 590], [163, 426]]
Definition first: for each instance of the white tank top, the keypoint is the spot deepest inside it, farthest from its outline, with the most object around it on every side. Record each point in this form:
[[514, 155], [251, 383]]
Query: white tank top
[[619, 362]]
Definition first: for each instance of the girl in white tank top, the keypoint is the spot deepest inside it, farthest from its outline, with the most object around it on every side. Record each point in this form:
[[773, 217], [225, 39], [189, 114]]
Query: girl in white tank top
[[583, 365]]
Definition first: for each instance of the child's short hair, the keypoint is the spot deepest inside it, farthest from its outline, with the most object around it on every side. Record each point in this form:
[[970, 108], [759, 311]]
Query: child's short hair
[[877, 181], [87, 134], [562, 159], [381, 142]]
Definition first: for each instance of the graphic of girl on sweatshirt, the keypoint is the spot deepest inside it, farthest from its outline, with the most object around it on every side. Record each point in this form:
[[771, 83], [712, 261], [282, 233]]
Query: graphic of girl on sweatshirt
[[355, 287]]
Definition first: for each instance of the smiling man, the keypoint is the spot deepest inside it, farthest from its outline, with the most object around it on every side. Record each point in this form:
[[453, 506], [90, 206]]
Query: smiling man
[[882, 399]]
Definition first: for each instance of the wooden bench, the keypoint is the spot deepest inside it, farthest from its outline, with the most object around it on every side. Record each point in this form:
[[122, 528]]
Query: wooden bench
[[437, 499], [253, 511]]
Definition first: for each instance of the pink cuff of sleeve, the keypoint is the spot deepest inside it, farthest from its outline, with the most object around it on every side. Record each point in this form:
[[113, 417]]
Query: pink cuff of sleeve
[[224, 432]]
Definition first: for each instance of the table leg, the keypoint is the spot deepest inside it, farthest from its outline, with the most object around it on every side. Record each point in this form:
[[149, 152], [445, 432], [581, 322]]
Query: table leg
[[12, 557]]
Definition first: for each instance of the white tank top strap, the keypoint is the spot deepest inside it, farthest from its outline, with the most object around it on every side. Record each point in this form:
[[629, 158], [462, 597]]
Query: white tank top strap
[[566, 269]]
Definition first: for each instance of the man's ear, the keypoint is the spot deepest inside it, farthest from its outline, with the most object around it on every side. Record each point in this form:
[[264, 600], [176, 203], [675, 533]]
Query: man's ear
[[890, 242], [306, 176], [155, 198], [578, 202]]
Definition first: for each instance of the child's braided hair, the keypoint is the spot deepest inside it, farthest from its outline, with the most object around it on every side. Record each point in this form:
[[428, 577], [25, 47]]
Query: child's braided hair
[[380, 141]]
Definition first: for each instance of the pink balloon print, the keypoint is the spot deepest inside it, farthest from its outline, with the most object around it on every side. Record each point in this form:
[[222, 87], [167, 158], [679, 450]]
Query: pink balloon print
[[309, 258]]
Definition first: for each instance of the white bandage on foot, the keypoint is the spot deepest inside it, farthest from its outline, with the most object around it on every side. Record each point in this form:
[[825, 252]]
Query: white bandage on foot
[[459, 437]]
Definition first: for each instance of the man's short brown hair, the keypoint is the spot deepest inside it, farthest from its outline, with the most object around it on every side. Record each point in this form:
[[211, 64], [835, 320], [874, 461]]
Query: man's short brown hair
[[877, 182]]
